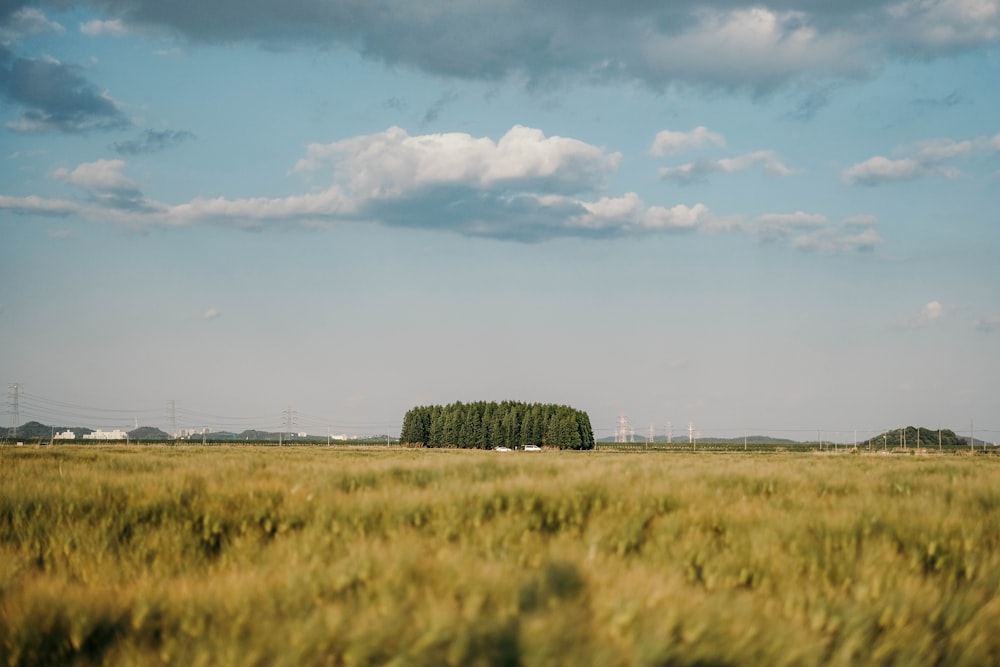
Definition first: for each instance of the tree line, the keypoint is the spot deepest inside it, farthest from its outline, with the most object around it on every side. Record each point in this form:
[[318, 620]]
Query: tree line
[[485, 425]]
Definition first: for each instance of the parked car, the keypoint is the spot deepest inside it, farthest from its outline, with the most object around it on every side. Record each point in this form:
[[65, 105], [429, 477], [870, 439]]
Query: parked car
[[532, 448], [501, 449]]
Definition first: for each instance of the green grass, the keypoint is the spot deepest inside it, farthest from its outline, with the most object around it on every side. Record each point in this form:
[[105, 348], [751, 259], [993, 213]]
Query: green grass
[[316, 556]]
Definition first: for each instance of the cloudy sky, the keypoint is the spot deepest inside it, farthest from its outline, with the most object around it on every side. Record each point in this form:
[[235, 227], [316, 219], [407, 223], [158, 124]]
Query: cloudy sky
[[779, 217]]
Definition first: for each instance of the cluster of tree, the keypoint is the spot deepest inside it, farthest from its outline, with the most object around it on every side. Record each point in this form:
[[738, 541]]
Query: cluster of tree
[[485, 425], [912, 436]]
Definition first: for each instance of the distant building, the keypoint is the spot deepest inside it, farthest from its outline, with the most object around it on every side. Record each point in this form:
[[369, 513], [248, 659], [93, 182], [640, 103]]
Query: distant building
[[65, 435], [117, 434]]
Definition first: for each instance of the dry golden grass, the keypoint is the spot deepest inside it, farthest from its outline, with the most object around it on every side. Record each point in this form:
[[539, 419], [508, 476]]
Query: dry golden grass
[[315, 556]]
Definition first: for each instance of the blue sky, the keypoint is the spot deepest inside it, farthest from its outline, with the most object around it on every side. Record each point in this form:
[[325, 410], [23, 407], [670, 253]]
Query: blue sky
[[775, 217]]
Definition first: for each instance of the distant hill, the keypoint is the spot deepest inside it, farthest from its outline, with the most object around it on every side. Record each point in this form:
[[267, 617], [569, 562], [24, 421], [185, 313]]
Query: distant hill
[[148, 433], [37, 431]]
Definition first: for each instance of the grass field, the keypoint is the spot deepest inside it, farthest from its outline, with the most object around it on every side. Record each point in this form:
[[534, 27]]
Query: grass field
[[321, 556]]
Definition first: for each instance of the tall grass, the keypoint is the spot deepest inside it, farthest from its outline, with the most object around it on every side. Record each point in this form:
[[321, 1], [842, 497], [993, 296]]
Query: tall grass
[[243, 556]]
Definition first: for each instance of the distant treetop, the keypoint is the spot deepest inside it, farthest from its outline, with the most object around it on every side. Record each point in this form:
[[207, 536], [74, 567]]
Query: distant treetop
[[485, 425]]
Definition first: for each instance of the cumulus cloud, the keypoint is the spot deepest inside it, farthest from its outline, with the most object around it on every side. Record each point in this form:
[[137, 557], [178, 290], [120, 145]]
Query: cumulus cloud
[[700, 169], [151, 141], [919, 159], [988, 324], [524, 187], [34, 205], [106, 185], [630, 213], [54, 96], [669, 141], [97, 27], [100, 175], [813, 232], [878, 170], [27, 21], [930, 312], [781, 225], [838, 241], [392, 163], [729, 43]]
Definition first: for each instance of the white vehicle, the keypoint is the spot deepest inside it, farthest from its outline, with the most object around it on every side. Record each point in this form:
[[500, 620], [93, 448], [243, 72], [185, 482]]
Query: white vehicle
[[532, 448], [501, 449]]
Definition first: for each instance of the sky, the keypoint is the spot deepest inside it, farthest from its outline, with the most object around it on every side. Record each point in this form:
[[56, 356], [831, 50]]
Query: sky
[[776, 218]]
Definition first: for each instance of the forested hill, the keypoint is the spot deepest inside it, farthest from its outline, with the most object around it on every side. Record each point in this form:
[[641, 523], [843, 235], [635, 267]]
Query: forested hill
[[485, 425]]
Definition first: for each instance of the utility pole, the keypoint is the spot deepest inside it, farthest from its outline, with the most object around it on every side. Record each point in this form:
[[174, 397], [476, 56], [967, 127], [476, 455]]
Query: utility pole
[[173, 419], [972, 435]]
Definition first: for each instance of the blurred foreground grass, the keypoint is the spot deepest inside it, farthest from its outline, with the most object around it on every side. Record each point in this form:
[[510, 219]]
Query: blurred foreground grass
[[316, 556]]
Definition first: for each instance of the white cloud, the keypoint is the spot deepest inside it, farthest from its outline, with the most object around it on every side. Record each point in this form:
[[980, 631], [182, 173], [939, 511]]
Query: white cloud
[[932, 151], [524, 187], [392, 163], [331, 203], [989, 323], [879, 169], [780, 225], [813, 232], [753, 44], [937, 26], [28, 21], [930, 312], [835, 242], [700, 169], [629, 212], [922, 158], [104, 175], [211, 314], [714, 43], [33, 205], [667, 141], [98, 27]]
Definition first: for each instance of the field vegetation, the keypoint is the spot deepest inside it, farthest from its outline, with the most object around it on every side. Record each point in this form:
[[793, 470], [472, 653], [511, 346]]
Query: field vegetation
[[323, 556]]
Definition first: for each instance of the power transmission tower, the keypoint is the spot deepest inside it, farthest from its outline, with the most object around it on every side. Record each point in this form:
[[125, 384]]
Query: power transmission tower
[[173, 419], [289, 421], [622, 434], [15, 406]]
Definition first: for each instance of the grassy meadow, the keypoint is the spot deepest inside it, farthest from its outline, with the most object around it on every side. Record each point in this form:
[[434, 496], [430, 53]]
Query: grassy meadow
[[325, 556]]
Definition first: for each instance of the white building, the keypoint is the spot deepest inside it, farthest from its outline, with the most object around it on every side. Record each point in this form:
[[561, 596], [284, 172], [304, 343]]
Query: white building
[[117, 434], [65, 435]]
